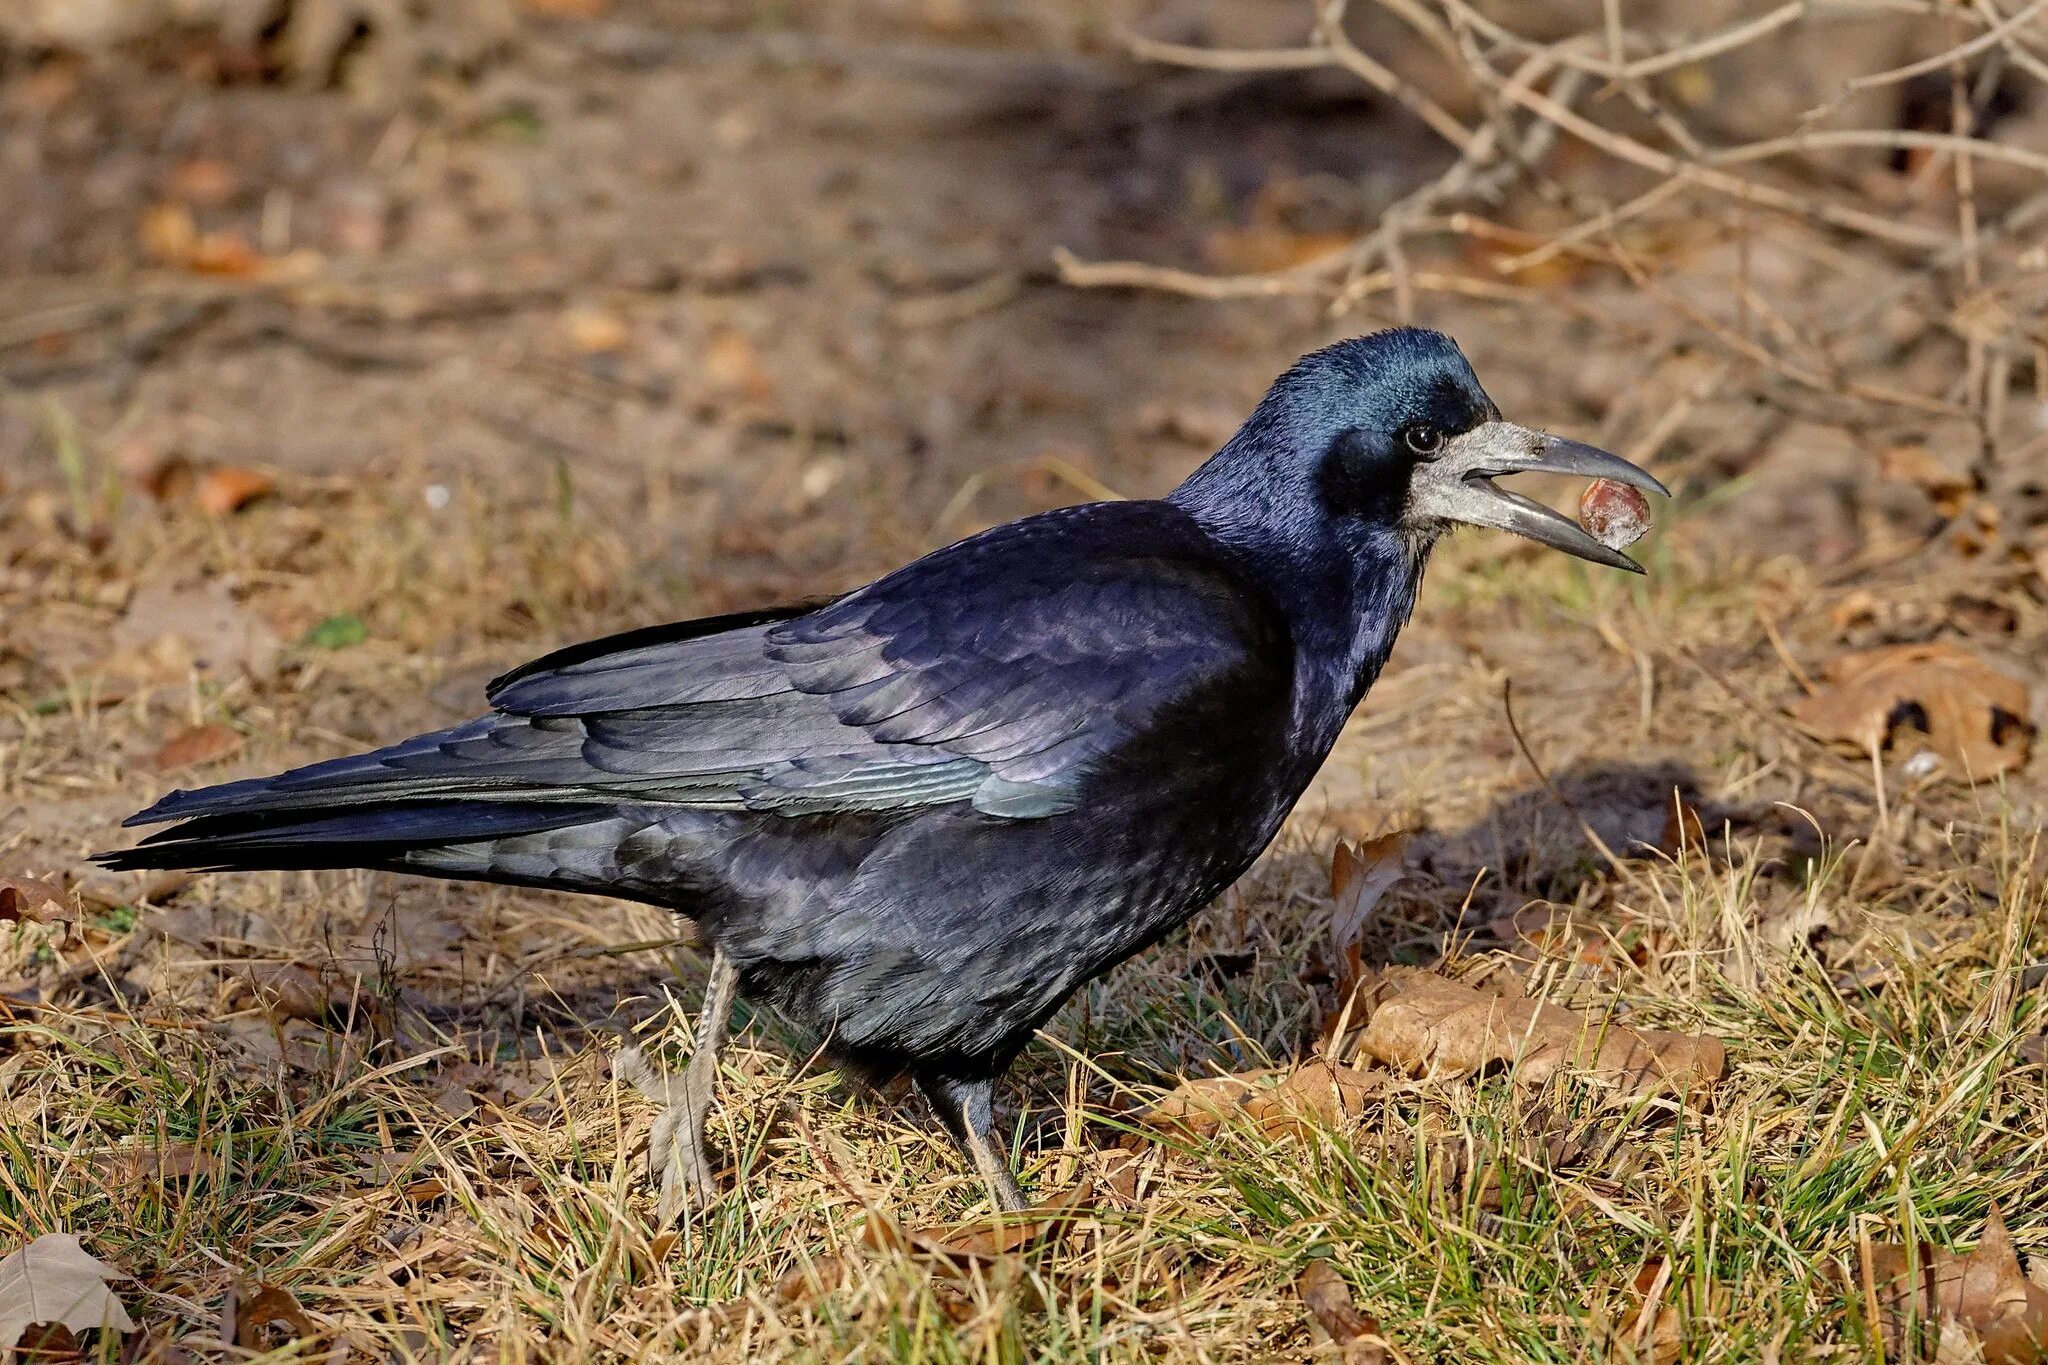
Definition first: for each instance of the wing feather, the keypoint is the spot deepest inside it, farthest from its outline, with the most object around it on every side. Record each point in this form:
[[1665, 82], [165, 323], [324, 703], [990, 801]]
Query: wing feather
[[997, 671]]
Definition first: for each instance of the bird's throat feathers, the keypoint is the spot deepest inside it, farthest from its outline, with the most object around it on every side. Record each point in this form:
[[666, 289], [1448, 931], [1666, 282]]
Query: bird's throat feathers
[[1345, 584]]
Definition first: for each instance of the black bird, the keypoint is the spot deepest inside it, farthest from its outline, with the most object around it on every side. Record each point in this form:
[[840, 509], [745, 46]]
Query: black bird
[[917, 817]]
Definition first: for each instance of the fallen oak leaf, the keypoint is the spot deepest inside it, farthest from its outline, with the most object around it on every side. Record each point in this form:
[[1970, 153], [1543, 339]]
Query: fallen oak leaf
[[1360, 876], [1423, 1023], [54, 1279], [178, 1161], [33, 900], [1336, 1317], [1975, 718], [986, 1240], [271, 1307], [226, 489], [286, 990], [1198, 1107], [1654, 1322], [1986, 1293], [1318, 1093], [195, 745]]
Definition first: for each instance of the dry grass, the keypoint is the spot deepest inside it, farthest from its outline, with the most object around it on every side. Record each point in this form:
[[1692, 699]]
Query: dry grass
[[431, 1157]]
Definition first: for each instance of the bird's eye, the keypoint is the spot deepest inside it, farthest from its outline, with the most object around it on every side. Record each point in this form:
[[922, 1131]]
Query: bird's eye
[[1422, 439]]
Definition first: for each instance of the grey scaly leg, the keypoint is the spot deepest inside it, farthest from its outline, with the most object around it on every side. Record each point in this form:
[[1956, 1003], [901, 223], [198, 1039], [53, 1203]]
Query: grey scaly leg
[[967, 1110], [675, 1146]]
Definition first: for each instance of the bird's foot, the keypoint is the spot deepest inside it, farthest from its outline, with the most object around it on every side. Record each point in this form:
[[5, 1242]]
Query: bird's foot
[[676, 1159]]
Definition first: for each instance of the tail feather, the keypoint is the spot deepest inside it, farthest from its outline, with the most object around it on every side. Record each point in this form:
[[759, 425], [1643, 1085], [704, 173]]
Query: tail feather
[[492, 758], [347, 836]]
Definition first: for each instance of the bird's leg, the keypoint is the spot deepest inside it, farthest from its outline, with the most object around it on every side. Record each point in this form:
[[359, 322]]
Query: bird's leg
[[675, 1145], [966, 1109]]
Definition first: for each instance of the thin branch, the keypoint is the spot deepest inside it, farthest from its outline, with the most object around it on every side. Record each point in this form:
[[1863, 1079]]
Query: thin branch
[[1989, 38], [1952, 143]]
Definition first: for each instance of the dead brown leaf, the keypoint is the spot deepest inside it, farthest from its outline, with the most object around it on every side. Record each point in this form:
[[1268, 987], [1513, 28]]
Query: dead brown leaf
[[196, 744], [1360, 875], [286, 990], [227, 489], [1319, 1093], [1985, 1293], [32, 899], [176, 1161], [1916, 465], [271, 1312], [55, 1280], [1651, 1331], [983, 1241], [1336, 1318], [1975, 718], [1421, 1022]]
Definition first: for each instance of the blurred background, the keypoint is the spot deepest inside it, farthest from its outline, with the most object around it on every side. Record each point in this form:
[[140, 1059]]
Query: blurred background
[[780, 281]]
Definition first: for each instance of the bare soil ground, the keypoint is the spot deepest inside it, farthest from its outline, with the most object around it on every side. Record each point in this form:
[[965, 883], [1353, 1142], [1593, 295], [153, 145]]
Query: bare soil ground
[[322, 402]]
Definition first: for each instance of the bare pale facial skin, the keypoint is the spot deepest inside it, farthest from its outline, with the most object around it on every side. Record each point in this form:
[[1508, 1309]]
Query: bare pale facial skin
[[1457, 487]]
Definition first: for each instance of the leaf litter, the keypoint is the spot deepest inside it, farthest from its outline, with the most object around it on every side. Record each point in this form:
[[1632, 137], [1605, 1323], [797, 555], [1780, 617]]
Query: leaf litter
[[1416, 1022], [195, 745], [33, 900], [1927, 1290], [1336, 1318], [1968, 715], [1421, 1023], [55, 1281]]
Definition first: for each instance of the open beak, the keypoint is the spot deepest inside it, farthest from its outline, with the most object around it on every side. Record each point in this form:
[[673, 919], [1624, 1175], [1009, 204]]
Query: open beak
[[1458, 486]]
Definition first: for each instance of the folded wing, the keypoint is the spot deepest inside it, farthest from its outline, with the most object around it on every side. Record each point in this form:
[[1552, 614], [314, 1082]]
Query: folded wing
[[995, 672]]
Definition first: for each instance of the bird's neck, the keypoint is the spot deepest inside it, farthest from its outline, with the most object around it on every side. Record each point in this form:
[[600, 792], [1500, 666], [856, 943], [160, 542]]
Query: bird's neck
[[1345, 612], [1345, 587]]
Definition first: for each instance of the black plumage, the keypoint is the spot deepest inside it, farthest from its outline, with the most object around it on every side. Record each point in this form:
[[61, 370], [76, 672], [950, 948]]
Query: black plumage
[[917, 817]]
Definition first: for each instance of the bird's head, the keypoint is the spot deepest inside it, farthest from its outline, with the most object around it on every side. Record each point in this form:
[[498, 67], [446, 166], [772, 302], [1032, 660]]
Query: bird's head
[[1391, 436]]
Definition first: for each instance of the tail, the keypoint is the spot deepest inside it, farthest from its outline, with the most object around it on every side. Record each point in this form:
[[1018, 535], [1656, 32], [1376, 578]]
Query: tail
[[390, 836], [468, 788]]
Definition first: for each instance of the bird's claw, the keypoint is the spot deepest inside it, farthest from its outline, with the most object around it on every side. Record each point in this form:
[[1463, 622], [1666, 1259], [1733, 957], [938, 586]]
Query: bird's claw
[[676, 1161]]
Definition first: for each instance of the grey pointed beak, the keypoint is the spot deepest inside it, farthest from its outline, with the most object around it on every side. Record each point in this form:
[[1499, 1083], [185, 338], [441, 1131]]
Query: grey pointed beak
[[1458, 486]]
